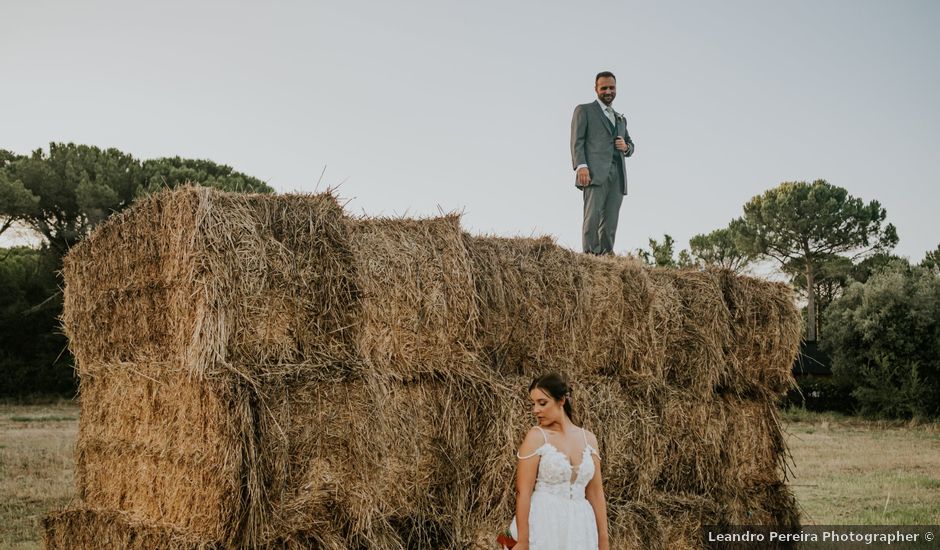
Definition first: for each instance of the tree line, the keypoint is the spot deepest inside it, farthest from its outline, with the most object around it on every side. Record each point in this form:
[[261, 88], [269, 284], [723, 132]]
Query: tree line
[[876, 315]]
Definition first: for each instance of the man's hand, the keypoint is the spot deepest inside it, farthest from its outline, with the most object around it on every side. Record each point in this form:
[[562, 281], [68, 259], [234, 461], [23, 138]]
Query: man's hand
[[584, 177], [621, 145]]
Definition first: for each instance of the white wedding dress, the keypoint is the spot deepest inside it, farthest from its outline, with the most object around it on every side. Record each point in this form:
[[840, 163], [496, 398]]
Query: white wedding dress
[[560, 518]]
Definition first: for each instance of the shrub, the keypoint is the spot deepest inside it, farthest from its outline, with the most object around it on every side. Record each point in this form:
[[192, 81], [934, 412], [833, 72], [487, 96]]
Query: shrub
[[884, 337], [33, 355]]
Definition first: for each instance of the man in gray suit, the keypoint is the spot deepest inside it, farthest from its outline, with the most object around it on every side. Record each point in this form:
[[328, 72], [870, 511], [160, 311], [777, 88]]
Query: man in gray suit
[[599, 145]]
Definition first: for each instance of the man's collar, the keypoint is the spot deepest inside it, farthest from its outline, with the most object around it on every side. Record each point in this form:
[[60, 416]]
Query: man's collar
[[604, 106]]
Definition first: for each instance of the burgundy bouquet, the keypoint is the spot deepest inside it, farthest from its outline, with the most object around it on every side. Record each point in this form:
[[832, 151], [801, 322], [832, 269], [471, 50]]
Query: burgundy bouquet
[[505, 539]]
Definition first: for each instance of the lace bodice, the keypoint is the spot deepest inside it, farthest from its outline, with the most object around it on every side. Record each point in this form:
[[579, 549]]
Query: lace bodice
[[556, 475], [560, 517]]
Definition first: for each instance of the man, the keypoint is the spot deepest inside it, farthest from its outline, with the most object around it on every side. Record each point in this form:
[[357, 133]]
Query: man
[[599, 144]]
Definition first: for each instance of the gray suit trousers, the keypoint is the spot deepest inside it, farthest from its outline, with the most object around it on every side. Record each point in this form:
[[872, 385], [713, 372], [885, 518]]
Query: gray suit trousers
[[601, 213]]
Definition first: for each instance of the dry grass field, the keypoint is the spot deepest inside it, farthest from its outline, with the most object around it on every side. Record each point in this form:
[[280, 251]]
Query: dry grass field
[[36, 467], [847, 471], [854, 472]]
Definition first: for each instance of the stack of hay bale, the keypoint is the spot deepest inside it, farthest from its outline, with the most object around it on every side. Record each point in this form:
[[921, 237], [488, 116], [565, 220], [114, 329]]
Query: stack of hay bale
[[265, 371]]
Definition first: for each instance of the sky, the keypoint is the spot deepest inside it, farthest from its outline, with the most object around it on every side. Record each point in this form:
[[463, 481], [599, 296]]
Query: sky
[[416, 108]]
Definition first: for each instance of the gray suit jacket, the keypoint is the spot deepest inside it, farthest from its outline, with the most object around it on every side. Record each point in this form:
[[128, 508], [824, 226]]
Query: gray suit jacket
[[592, 142]]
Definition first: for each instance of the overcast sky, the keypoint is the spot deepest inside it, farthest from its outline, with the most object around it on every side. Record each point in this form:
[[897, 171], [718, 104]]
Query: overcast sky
[[419, 106]]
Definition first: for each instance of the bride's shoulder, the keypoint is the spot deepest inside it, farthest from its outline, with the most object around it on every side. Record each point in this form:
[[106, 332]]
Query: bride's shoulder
[[533, 440], [535, 434]]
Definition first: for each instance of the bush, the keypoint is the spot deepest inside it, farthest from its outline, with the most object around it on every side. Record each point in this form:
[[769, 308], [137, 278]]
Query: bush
[[884, 338], [33, 355]]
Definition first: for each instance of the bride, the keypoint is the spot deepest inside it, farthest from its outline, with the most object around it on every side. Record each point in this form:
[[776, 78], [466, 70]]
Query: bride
[[560, 501]]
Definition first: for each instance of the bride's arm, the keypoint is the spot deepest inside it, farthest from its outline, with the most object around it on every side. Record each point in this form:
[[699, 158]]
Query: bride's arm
[[527, 470], [594, 492]]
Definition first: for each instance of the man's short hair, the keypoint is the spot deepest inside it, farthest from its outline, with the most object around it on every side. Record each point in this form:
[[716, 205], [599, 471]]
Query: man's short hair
[[604, 74]]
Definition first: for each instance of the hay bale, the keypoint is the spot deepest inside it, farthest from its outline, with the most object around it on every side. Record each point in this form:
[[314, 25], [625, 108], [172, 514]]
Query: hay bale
[[612, 318], [690, 328], [307, 441], [382, 460], [755, 452], [161, 446], [86, 528], [526, 296], [628, 426], [417, 309], [420, 442], [766, 504], [308, 457], [127, 287], [175, 310], [207, 280], [664, 521], [545, 308], [720, 446], [693, 431], [499, 418], [683, 518], [766, 329], [447, 446], [278, 274], [636, 524]]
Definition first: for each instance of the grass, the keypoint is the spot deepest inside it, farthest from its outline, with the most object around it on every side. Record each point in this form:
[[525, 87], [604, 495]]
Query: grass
[[849, 471], [36, 467], [846, 470], [35, 419]]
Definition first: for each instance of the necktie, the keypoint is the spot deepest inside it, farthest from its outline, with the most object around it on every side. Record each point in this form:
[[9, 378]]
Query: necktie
[[610, 116]]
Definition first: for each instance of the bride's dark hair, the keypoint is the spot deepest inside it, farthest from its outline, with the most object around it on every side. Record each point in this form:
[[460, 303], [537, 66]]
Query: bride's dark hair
[[557, 387]]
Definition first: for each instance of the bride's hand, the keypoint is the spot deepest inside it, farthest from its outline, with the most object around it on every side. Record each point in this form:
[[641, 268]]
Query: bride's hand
[[521, 546]]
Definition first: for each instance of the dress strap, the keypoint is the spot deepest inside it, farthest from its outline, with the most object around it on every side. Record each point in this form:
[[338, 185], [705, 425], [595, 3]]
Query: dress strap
[[545, 437], [588, 445]]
